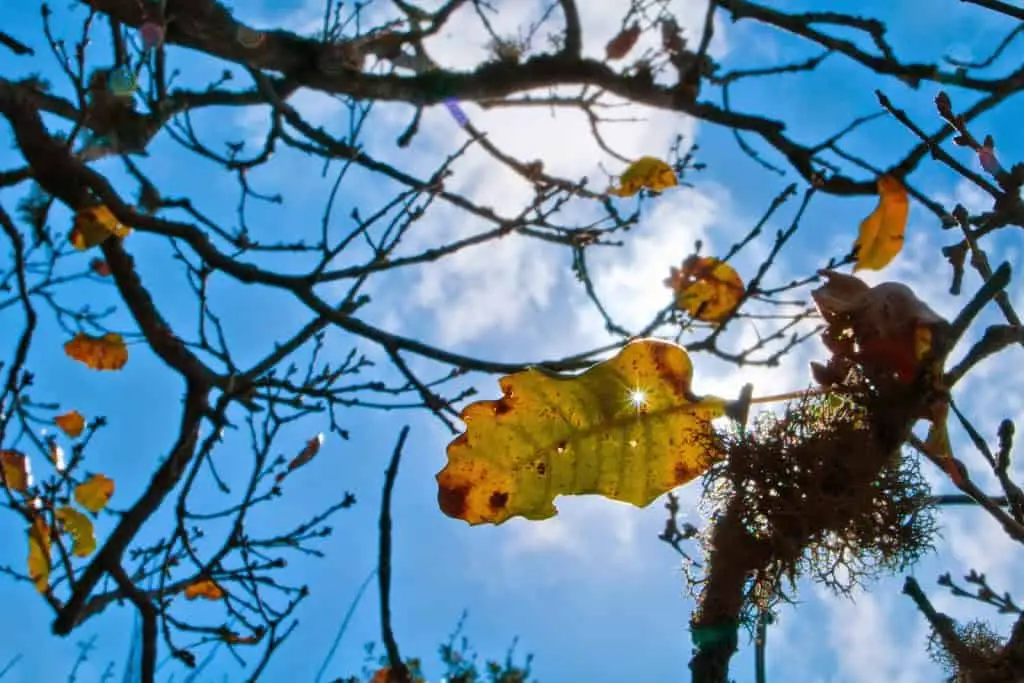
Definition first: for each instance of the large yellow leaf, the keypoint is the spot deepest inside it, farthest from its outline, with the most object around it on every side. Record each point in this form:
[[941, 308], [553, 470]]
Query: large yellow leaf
[[628, 428], [881, 234], [95, 225], [706, 287], [99, 353], [39, 554], [649, 172], [94, 493], [83, 536], [17, 472]]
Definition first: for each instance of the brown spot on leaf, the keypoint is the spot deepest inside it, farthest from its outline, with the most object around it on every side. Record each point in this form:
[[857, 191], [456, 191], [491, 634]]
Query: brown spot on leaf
[[679, 382], [502, 406], [498, 500], [541, 468], [681, 472], [452, 501]]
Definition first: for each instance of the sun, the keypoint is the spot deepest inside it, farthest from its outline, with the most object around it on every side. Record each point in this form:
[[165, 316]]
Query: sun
[[637, 398]]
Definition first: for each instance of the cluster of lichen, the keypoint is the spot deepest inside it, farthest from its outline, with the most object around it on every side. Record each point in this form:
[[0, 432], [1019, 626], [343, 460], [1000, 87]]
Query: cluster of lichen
[[816, 491]]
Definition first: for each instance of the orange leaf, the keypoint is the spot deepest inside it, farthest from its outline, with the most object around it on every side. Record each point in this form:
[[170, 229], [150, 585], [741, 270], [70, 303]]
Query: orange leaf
[[384, 675], [39, 554], [619, 46], [71, 423], [94, 225], [17, 471], [100, 267], [308, 452], [99, 353], [94, 493], [882, 233], [204, 588], [707, 288], [83, 536]]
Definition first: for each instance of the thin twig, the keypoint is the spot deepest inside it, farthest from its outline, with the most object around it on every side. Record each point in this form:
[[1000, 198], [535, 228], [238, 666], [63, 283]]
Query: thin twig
[[344, 624], [398, 673]]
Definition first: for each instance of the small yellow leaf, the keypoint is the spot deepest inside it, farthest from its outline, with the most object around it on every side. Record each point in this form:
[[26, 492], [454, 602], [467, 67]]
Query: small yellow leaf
[[204, 588], [94, 493], [71, 423], [628, 428], [881, 234], [39, 554], [17, 471], [83, 535], [937, 443], [707, 288], [95, 225], [99, 353], [649, 172]]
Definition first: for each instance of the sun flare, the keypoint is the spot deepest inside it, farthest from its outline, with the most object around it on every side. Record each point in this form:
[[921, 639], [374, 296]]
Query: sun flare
[[637, 398]]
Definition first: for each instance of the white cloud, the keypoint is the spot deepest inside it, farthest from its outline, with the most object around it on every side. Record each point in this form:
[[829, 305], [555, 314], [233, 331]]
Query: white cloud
[[977, 541], [499, 286], [601, 534], [871, 645]]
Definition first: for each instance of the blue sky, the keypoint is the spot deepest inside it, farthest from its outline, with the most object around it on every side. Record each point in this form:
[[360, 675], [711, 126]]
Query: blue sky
[[591, 593]]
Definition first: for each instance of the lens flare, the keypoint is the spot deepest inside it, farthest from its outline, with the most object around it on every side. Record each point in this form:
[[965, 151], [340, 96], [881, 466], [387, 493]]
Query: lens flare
[[637, 398]]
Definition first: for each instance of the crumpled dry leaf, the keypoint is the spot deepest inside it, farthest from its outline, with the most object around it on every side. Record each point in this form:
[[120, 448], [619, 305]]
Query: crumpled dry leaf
[[706, 287], [672, 39], [886, 329], [100, 267], [307, 453], [619, 46]]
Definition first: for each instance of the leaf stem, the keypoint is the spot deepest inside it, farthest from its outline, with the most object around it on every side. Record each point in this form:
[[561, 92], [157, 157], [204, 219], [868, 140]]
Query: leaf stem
[[791, 395]]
